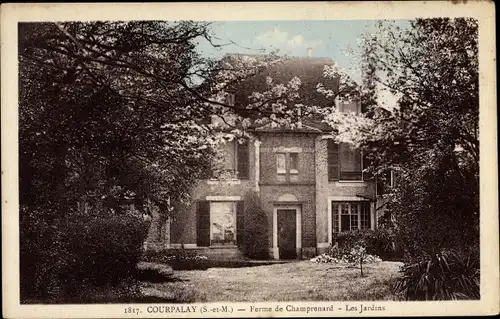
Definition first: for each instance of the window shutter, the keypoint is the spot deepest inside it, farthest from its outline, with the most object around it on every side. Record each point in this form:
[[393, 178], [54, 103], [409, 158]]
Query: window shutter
[[203, 224], [366, 164], [243, 159], [333, 161], [240, 223]]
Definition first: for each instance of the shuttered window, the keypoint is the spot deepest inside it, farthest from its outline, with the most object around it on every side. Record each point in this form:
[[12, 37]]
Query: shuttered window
[[344, 163], [243, 160], [220, 223], [350, 163], [333, 161]]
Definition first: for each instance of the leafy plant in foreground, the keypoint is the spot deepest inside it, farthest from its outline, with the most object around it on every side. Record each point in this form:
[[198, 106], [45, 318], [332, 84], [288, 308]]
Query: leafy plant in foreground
[[446, 275]]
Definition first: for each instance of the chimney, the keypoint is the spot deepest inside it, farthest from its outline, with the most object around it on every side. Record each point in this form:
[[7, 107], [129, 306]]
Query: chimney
[[309, 52]]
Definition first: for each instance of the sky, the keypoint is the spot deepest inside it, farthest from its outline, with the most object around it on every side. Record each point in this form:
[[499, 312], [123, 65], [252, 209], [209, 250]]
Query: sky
[[336, 39], [326, 38]]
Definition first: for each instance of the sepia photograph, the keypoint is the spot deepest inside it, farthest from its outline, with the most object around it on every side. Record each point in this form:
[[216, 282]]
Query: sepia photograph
[[260, 167]]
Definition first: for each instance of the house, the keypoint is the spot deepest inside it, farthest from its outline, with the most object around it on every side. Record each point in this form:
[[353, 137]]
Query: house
[[310, 187]]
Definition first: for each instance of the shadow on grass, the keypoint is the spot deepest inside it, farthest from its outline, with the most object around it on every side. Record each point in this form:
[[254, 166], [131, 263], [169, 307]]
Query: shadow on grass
[[155, 277], [107, 295]]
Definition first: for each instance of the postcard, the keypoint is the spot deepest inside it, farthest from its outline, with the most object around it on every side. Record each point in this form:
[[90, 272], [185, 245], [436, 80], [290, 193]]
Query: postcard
[[255, 159]]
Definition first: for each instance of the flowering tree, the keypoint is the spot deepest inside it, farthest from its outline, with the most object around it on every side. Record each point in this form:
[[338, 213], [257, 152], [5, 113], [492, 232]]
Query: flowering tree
[[115, 108], [111, 111], [430, 136]]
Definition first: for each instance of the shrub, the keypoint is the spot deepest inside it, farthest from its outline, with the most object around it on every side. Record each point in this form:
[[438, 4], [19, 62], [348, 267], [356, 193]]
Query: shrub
[[41, 251], [377, 242], [59, 255], [255, 232], [105, 249], [446, 275]]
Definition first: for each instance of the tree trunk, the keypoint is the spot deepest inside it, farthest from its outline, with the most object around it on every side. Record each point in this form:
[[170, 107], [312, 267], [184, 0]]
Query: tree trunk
[[156, 235]]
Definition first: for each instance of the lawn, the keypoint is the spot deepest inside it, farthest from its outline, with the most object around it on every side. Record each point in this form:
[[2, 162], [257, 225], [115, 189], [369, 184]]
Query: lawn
[[301, 280]]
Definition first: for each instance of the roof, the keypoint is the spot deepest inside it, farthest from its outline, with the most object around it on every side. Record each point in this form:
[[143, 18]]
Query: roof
[[308, 69]]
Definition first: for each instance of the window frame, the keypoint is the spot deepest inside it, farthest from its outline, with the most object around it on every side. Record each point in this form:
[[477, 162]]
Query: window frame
[[340, 177], [363, 213], [235, 173], [295, 170], [287, 161], [360, 172], [234, 157], [212, 211], [281, 171]]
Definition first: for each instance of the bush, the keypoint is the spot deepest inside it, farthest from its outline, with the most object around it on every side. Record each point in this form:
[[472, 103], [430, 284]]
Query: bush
[[180, 259], [105, 249], [41, 251], [255, 233], [59, 255], [377, 242], [447, 275]]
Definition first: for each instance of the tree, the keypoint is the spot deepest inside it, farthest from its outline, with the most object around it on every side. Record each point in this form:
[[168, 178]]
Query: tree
[[431, 137], [255, 232], [110, 111]]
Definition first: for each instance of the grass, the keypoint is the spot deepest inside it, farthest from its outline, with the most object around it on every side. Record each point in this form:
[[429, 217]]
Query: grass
[[295, 281]]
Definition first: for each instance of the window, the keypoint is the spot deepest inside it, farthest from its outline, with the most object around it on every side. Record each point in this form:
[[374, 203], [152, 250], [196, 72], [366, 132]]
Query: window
[[350, 163], [294, 165], [281, 163], [222, 223], [348, 216], [230, 98], [385, 181], [229, 156], [353, 107], [344, 162], [218, 223], [236, 158]]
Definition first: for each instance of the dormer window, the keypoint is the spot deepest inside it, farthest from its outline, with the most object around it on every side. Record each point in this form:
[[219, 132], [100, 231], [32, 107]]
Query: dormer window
[[230, 98]]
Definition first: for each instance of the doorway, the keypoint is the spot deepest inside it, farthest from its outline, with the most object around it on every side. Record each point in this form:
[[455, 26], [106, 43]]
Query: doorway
[[287, 232]]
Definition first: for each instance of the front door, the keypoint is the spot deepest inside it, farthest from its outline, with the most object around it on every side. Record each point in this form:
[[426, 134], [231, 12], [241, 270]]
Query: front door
[[287, 233]]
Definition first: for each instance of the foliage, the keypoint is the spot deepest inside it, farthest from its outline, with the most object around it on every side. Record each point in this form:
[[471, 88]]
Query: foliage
[[445, 275], [102, 260], [72, 252], [111, 111], [430, 135], [255, 233], [104, 106], [355, 256], [377, 242]]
